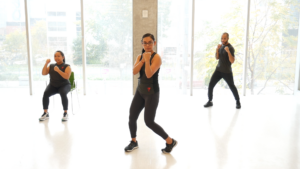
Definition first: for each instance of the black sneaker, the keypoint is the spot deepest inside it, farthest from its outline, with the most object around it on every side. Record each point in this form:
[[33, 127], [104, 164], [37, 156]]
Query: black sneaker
[[208, 104], [45, 116], [238, 105], [132, 146], [169, 147]]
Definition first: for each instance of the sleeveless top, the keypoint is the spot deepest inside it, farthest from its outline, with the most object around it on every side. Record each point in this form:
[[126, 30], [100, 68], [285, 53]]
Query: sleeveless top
[[56, 79], [148, 85]]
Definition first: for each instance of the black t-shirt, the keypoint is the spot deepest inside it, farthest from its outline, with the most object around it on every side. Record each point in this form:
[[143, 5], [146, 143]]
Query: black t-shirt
[[224, 64], [56, 79]]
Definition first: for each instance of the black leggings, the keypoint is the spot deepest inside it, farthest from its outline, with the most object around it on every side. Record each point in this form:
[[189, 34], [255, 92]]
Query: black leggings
[[150, 102], [228, 77], [51, 90]]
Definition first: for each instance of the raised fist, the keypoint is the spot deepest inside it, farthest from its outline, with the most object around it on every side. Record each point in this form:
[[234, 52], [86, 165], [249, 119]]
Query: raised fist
[[147, 56], [219, 46], [56, 68], [48, 61], [227, 49]]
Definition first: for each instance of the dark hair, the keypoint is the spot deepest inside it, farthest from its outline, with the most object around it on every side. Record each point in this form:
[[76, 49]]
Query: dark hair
[[62, 54], [226, 34], [147, 35]]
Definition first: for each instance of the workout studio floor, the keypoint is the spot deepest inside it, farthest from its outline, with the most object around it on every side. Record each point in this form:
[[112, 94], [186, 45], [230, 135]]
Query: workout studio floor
[[264, 134]]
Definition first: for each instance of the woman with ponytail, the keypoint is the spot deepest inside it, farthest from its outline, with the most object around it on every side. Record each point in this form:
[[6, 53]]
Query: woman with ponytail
[[147, 94], [59, 83]]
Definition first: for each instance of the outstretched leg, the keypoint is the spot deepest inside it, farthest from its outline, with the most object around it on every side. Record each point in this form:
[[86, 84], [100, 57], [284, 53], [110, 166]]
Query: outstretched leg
[[151, 103]]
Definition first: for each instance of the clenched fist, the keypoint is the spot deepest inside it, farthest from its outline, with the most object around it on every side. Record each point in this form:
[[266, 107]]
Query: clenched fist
[[48, 61], [219, 46], [56, 69], [227, 49], [147, 56]]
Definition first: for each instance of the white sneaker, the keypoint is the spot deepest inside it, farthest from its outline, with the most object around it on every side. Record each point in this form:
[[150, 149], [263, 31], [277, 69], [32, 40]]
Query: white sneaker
[[65, 117], [45, 116]]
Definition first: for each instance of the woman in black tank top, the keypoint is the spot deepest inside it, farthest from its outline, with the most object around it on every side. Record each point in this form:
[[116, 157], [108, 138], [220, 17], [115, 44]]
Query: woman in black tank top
[[147, 94], [59, 83]]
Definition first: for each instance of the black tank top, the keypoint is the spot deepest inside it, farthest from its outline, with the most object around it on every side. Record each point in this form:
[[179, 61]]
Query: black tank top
[[56, 79], [148, 85]]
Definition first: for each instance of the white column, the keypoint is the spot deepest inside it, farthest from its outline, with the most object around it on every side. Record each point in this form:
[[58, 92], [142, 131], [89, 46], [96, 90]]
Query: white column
[[83, 49], [192, 49], [27, 24], [246, 50], [297, 71]]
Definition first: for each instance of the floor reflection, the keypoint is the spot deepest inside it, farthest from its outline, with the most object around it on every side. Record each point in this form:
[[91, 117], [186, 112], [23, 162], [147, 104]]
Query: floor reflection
[[61, 143], [221, 142]]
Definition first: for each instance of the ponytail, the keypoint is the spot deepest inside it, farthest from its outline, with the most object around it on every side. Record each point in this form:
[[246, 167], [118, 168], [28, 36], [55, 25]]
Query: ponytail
[[143, 51]]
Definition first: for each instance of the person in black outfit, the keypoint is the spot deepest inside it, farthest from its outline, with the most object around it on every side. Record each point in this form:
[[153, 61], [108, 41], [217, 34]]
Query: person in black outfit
[[147, 94], [59, 83], [225, 55]]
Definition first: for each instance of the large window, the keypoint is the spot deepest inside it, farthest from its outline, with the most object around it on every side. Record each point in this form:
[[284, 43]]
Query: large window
[[272, 46], [56, 25], [108, 26], [212, 18], [173, 45], [54, 28], [13, 49]]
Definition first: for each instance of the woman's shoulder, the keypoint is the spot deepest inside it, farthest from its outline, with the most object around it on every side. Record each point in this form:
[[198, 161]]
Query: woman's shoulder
[[66, 65], [156, 55], [156, 58]]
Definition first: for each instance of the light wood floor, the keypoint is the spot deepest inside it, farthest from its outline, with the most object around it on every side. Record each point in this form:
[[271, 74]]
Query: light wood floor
[[264, 134]]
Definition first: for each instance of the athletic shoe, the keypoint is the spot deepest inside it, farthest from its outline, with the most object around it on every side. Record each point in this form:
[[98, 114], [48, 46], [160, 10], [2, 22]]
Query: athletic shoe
[[169, 147], [132, 146], [45, 116], [238, 105], [65, 117], [208, 104]]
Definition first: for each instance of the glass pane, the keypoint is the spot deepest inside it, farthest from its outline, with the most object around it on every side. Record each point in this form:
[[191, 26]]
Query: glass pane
[[61, 24], [52, 24], [61, 39], [272, 47], [61, 13], [52, 28], [13, 49], [45, 42], [62, 29], [209, 27], [52, 38], [173, 45], [108, 26], [51, 13]]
